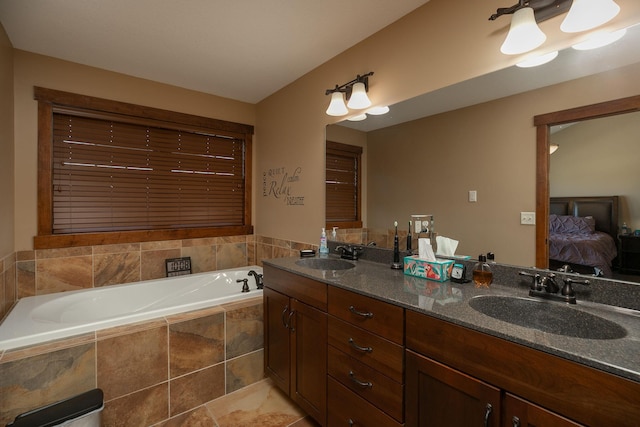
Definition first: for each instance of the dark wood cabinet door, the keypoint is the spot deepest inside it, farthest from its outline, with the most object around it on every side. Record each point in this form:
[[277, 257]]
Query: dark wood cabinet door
[[277, 338], [518, 412], [439, 396], [309, 357]]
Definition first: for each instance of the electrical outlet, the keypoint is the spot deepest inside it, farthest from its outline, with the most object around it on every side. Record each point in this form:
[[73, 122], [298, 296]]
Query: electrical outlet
[[473, 196], [528, 218]]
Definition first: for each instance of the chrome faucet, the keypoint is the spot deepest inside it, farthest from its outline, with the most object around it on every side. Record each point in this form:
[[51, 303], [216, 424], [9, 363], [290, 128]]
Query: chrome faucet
[[547, 287], [350, 252]]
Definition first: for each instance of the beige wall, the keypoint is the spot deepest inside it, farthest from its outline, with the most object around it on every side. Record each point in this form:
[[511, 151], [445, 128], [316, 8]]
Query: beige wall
[[36, 70], [441, 43], [6, 145], [600, 158], [428, 166]]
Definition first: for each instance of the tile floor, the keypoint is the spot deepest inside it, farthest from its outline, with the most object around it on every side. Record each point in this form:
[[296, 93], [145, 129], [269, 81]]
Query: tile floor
[[260, 404]]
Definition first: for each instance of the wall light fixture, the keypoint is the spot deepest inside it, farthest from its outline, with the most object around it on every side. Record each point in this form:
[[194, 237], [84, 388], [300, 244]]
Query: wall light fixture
[[355, 92], [524, 34]]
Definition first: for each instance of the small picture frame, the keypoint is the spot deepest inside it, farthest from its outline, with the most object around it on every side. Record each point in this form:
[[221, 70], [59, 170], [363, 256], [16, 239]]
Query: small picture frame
[[178, 266]]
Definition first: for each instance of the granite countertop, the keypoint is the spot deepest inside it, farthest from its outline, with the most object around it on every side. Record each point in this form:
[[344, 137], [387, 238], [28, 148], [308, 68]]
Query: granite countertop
[[450, 301]]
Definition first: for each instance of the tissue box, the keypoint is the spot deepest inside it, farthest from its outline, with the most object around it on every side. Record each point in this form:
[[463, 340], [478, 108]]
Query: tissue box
[[438, 270]]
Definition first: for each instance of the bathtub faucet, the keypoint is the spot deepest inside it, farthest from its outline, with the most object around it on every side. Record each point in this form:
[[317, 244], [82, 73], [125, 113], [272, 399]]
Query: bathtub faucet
[[258, 277], [245, 286]]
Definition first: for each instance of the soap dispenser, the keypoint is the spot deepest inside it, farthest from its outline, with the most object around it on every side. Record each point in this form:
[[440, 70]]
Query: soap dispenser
[[324, 249], [482, 275]]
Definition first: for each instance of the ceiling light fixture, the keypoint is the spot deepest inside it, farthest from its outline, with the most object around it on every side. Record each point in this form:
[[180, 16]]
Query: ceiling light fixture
[[588, 14], [355, 92]]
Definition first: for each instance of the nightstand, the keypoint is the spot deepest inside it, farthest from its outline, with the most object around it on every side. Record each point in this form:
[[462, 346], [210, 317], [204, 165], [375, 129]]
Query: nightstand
[[629, 253]]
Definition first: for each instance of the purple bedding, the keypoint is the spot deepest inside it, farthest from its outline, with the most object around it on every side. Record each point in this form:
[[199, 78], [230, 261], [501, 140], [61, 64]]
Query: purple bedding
[[574, 240]]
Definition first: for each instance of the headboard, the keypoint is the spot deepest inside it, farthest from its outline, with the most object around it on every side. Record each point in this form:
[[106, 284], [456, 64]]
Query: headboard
[[603, 209]]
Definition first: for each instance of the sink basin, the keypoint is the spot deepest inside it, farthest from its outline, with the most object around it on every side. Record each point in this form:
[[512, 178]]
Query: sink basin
[[547, 317], [325, 264]]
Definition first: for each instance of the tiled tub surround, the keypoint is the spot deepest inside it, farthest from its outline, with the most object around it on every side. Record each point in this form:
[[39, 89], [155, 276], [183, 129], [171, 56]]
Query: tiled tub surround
[[28, 273], [149, 371]]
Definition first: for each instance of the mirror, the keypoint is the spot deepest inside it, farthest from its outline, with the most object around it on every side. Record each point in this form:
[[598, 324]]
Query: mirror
[[428, 153]]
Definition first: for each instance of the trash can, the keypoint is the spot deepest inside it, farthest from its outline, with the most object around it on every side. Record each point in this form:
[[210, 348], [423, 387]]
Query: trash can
[[83, 410]]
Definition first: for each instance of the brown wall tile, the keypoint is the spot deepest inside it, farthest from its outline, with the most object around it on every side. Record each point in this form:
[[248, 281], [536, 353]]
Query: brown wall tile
[[196, 344], [140, 409], [32, 382], [63, 274], [116, 268], [26, 278], [127, 363], [244, 330], [196, 389], [231, 255], [244, 370], [153, 263], [203, 258]]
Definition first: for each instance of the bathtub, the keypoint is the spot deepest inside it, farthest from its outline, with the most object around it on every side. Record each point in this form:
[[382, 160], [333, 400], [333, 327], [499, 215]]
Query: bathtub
[[43, 318]]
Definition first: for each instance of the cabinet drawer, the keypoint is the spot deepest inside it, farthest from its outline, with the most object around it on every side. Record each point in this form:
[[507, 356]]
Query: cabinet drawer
[[368, 383], [348, 409], [379, 353], [301, 288], [379, 317]]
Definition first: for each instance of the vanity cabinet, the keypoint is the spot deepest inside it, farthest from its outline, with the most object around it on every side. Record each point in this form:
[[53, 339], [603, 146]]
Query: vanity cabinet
[[466, 369], [365, 361], [295, 332], [438, 395]]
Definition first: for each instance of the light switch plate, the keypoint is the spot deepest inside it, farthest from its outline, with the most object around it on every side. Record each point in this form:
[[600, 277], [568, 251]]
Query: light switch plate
[[473, 196], [528, 218]]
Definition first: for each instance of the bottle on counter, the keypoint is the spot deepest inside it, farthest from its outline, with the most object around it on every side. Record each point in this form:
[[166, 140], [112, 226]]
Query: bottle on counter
[[482, 275], [324, 249]]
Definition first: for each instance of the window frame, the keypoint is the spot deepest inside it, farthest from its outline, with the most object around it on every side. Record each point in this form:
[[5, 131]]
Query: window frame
[[355, 152], [50, 100]]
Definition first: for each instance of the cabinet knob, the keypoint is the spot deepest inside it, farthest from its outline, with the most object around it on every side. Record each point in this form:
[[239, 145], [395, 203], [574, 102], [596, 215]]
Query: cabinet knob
[[516, 421]]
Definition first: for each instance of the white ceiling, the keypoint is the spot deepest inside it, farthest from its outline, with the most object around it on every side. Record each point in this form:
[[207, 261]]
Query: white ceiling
[[239, 49]]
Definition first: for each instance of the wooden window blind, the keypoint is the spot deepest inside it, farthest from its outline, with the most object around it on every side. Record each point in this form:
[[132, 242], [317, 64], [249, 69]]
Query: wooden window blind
[[343, 185], [112, 176], [111, 172]]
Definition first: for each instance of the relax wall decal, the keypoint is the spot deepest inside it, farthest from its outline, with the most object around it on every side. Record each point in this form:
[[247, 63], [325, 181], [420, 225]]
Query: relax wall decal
[[279, 182]]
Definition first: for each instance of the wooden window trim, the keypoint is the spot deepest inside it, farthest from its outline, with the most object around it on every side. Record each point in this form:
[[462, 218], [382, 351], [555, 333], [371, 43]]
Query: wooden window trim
[[342, 149], [50, 100]]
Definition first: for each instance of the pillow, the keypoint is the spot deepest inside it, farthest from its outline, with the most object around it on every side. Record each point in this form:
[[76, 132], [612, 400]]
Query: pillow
[[568, 224]]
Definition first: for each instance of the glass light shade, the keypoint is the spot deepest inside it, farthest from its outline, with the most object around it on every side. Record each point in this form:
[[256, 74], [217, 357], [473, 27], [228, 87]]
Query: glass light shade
[[538, 60], [524, 34], [587, 14], [600, 39], [336, 106], [378, 111], [358, 118], [359, 98], [553, 148]]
